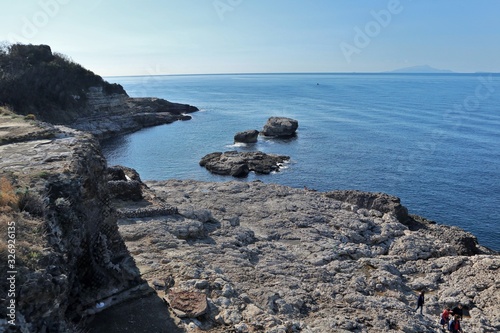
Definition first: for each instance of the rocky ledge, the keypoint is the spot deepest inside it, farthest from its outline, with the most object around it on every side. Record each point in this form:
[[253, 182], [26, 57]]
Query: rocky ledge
[[239, 164], [51, 87], [255, 257], [108, 116]]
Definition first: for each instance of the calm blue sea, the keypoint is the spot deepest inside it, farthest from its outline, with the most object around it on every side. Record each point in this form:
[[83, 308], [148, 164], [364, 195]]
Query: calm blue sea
[[431, 139]]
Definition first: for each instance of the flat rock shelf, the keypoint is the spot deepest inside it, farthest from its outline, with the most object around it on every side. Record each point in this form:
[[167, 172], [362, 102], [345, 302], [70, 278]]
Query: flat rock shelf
[[279, 259]]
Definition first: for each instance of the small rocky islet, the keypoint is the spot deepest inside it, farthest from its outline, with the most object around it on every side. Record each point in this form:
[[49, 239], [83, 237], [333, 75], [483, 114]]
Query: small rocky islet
[[216, 257], [240, 164]]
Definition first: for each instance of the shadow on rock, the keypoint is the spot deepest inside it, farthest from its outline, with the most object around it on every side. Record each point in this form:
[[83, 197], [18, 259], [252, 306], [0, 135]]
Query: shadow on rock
[[143, 315]]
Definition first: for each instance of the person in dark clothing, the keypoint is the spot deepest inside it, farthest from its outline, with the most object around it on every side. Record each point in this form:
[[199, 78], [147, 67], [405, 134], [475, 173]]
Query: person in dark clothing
[[420, 302], [458, 310], [454, 325]]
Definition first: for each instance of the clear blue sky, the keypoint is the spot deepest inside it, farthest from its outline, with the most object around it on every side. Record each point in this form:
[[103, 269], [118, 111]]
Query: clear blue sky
[[126, 37]]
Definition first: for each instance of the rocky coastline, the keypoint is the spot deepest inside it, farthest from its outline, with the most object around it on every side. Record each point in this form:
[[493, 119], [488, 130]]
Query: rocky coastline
[[47, 86], [212, 257], [270, 258], [264, 257], [67, 251], [109, 116]]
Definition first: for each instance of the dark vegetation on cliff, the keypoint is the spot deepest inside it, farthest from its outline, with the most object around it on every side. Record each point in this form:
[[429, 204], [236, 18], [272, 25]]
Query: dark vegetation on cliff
[[33, 80]]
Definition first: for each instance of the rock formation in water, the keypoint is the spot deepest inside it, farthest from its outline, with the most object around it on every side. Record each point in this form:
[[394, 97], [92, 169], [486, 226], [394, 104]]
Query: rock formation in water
[[249, 136], [239, 164], [280, 127], [114, 115]]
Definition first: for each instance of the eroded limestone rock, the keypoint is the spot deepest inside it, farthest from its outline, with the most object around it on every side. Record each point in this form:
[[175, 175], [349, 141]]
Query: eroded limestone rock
[[279, 259], [70, 255]]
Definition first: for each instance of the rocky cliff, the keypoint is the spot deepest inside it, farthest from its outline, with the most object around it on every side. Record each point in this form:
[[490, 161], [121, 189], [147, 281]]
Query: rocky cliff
[[227, 257], [51, 87], [108, 116], [66, 252]]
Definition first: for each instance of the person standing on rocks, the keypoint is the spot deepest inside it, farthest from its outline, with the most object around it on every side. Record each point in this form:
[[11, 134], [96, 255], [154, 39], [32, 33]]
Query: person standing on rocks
[[445, 318], [454, 325], [420, 302], [458, 311]]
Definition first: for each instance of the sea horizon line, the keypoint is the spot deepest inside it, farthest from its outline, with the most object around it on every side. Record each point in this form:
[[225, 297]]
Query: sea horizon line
[[308, 73]]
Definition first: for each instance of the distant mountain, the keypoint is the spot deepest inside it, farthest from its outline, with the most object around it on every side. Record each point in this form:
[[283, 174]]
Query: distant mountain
[[420, 69]]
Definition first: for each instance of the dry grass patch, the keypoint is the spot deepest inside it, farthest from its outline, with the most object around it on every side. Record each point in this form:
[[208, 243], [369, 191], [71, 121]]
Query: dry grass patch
[[23, 213], [30, 238], [8, 197]]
